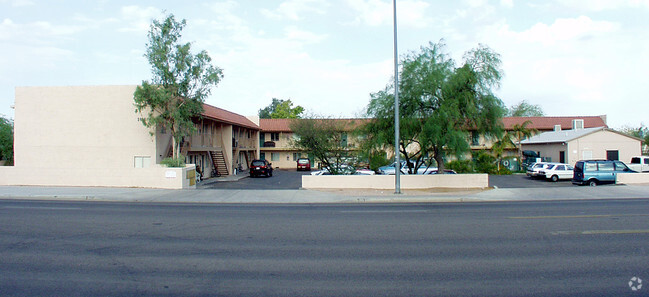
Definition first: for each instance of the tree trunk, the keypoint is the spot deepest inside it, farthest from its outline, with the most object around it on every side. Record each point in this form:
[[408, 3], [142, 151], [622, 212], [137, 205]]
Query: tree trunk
[[440, 161]]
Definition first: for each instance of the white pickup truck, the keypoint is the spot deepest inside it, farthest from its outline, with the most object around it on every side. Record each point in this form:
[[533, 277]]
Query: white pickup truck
[[639, 164]]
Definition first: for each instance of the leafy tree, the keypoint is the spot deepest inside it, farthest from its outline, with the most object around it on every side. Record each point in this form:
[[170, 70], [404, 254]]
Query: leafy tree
[[326, 140], [525, 109], [281, 109], [6, 139], [181, 81], [439, 102], [519, 133], [641, 132], [498, 148]]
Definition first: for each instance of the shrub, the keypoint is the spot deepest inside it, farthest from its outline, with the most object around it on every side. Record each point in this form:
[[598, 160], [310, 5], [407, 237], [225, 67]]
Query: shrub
[[484, 162], [377, 160], [461, 166], [171, 162]]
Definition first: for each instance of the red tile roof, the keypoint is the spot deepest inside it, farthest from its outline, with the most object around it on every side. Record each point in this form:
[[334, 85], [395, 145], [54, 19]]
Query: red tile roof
[[547, 123], [275, 125], [284, 125], [222, 115], [538, 123]]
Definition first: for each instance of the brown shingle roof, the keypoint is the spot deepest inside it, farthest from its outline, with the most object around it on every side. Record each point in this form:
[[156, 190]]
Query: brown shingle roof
[[284, 125], [547, 123], [229, 117], [275, 125], [538, 123]]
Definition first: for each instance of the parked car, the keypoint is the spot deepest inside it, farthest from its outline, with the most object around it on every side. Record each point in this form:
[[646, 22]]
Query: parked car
[[261, 167], [303, 164], [534, 170], [594, 172], [557, 171], [639, 164], [345, 170], [364, 171], [389, 169], [446, 171]]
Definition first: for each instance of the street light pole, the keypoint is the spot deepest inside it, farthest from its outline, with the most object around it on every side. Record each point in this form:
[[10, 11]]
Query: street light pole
[[397, 168]]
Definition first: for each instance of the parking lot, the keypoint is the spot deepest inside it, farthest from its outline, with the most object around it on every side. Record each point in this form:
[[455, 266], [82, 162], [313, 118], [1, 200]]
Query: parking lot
[[291, 179], [522, 181]]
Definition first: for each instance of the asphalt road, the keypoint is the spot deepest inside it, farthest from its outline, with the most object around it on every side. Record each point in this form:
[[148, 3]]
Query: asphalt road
[[523, 181], [291, 179], [281, 180], [569, 248]]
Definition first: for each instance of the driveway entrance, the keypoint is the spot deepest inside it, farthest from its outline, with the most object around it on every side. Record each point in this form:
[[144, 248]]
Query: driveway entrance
[[281, 180]]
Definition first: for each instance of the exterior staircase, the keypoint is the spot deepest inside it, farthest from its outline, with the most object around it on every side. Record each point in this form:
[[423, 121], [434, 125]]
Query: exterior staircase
[[218, 160]]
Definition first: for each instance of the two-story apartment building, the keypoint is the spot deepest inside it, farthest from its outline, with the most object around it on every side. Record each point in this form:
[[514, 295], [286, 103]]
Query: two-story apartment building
[[276, 137], [91, 136], [224, 141], [540, 125]]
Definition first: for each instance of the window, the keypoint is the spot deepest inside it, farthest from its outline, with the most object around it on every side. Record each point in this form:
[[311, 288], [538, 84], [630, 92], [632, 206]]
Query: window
[[297, 156], [262, 156], [561, 167], [142, 161], [274, 156], [577, 124], [475, 138], [591, 166], [612, 155], [619, 166], [274, 136], [343, 138], [605, 166]]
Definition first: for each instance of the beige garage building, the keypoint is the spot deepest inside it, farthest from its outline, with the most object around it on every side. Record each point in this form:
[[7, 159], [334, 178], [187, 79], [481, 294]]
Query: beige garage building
[[570, 146]]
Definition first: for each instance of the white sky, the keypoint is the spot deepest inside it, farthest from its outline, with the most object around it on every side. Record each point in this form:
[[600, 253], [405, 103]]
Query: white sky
[[572, 57]]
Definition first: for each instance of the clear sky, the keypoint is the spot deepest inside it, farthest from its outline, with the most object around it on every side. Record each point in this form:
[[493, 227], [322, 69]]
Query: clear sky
[[572, 57]]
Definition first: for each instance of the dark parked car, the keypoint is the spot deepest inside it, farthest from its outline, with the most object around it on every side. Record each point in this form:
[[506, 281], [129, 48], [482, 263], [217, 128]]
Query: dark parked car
[[260, 167], [303, 164], [594, 172]]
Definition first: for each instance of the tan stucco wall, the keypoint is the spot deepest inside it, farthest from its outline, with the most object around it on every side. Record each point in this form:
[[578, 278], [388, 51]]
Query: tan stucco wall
[[385, 182], [601, 141], [155, 176], [598, 143], [84, 136], [632, 178], [72, 127], [551, 151]]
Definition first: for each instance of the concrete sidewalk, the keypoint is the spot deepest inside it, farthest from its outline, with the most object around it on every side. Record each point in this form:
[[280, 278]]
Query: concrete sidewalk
[[315, 196]]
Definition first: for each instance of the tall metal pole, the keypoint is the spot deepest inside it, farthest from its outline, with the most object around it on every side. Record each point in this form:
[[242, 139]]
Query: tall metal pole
[[397, 168]]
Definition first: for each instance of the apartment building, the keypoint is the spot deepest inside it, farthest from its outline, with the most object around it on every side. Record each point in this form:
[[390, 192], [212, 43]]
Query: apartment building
[[91, 136]]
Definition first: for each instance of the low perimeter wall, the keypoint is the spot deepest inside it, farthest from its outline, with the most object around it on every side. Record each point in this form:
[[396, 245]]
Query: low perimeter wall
[[386, 182], [632, 178], [155, 176]]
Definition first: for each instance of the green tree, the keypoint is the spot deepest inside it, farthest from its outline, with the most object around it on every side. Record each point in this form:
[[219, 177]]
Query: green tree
[[641, 132], [327, 141], [498, 148], [438, 103], [6, 140], [181, 81], [525, 109], [519, 133], [281, 109]]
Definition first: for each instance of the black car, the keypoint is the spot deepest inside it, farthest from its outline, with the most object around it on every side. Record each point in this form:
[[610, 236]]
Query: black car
[[260, 167]]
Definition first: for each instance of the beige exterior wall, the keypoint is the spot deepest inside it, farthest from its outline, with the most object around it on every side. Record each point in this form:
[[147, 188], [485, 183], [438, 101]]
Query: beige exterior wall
[[632, 178], [386, 182], [600, 142], [85, 136], [285, 156], [551, 151], [589, 147], [91, 127]]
